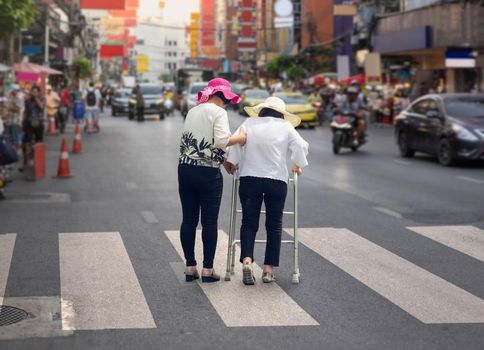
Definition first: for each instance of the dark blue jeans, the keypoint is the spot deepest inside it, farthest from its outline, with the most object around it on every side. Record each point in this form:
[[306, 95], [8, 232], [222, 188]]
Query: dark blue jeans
[[200, 190], [252, 191]]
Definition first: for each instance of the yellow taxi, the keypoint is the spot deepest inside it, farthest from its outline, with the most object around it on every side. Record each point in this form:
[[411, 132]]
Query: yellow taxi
[[298, 104], [252, 97]]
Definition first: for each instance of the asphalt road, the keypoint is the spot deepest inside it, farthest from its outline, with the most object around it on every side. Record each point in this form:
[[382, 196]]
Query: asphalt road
[[391, 253]]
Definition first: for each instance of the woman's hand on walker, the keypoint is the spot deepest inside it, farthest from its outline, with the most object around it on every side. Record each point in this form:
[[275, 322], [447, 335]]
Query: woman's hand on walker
[[230, 168], [296, 169]]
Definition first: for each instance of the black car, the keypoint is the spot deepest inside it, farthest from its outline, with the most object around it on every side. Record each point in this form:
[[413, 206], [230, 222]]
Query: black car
[[450, 126], [120, 102], [153, 99]]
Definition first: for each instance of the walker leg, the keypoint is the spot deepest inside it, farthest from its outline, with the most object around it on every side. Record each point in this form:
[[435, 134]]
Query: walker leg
[[295, 275], [233, 217]]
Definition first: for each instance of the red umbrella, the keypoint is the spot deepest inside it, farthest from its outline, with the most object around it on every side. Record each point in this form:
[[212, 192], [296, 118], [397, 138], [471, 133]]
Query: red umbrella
[[360, 78], [32, 68]]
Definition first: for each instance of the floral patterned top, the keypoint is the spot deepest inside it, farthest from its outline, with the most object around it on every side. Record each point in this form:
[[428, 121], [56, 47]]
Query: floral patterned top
[[205, 136]]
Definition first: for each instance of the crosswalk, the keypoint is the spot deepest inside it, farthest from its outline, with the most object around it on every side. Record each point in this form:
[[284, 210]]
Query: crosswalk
[[99, 287]]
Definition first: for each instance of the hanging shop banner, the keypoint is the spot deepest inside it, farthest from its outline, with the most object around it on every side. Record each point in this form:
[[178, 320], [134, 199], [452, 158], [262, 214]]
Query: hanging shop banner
[[130, 22], [207, 22], [247, 22], [102, 4], [109, 51], [142, 63], [284, 14], [194, 34], [132, 4], [373, 68]]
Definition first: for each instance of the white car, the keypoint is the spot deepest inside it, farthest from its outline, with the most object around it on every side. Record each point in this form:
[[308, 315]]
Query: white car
[[190, 97]]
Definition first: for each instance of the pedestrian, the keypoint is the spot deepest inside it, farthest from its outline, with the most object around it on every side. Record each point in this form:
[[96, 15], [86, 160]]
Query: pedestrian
[[53, 102], [263, 178], [206, 135], [33, 122], [140, 104], [65, 107], [92, 98], [15, 105]]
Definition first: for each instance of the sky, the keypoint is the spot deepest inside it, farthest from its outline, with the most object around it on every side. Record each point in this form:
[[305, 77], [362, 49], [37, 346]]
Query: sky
[[175, 12]]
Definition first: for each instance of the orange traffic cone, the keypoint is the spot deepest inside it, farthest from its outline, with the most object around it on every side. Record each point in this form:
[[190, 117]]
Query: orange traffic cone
[[63, 171], [52, 129], [77, 145]]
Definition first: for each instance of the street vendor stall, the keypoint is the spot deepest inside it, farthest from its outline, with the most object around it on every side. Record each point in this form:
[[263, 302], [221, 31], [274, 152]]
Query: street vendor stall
[[31, 73]]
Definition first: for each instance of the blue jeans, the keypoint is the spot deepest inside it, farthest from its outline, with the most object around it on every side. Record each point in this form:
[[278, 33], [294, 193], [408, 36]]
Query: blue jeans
[[252, 191], [200, 190]]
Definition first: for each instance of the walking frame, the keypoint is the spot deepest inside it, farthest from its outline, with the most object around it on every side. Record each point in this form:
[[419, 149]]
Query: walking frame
[[233, 228]]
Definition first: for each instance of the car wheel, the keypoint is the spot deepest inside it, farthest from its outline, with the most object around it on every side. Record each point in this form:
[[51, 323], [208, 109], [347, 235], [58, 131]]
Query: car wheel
[[445, 153], [405, 150], [354, 148]]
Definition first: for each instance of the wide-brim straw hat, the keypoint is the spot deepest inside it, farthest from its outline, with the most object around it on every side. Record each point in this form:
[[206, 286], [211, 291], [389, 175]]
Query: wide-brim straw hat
[[276, 104]]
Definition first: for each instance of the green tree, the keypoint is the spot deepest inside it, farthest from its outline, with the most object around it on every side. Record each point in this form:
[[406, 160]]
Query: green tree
[[15, 15], [280, 65], [83, 67]]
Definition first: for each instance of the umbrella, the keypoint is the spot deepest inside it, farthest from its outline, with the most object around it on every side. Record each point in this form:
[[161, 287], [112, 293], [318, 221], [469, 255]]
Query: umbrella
[[360, 78], [32, 68]]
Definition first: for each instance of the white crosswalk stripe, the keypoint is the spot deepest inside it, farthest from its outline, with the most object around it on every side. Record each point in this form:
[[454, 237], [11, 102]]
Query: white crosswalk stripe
[[246, 306], [7, 243], [99, 287], [422, 294], [466, 239]]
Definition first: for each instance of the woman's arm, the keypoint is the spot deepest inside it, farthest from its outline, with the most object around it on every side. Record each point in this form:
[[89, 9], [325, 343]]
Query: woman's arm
[[240, 139]]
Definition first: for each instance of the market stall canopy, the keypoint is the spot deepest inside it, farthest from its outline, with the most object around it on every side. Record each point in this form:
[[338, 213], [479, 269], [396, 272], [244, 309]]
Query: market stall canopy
[[32, 68], [360, 78], [4, 68]]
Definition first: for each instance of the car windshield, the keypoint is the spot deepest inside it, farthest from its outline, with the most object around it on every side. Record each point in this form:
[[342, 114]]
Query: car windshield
[[293, 100], [257, 94], [196, 88], [471, 108], [150, 90], [122, 94]]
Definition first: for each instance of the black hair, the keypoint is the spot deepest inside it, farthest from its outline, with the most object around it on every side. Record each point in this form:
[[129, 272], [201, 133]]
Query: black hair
[[35, 87], [221, 95], [269, 112], [91, 84]]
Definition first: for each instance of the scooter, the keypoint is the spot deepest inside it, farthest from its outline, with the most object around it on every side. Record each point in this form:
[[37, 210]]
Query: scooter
[[344, 131], [168, 106]]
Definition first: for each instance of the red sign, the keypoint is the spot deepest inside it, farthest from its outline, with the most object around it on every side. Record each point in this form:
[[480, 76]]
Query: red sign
[[103, 4], [248, 19], [108, 51], [207, 22], [124, 13]]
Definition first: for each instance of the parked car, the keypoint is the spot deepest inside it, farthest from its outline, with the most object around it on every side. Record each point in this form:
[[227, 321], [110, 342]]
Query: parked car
[[153, 98], [450, 126], [190, 97], [120, 102], [299, 105], [252, 97]]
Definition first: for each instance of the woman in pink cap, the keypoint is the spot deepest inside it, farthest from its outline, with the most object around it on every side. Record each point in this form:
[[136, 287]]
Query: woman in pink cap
[[206, 135]]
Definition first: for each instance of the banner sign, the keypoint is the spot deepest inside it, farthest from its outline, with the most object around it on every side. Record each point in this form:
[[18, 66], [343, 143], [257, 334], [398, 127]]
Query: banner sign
[[102, 4]]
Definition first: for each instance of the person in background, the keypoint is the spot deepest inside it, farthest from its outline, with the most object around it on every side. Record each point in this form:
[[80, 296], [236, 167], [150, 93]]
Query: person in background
[[262, 163], [53, 102], [92, 98], [140, 104], [33, 122], [15, 105], [65, 107]]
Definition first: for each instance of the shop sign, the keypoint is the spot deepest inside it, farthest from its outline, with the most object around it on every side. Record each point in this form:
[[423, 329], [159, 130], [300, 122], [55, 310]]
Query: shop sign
[[343, 67], [373, 69], [284, 10], [460, 58]]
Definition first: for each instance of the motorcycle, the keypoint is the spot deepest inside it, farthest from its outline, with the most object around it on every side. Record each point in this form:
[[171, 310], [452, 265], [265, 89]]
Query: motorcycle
[[168, 106], [318, 107], [344, 129]]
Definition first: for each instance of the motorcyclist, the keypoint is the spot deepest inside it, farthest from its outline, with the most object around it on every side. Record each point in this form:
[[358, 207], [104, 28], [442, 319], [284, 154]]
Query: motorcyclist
[[356, 105]]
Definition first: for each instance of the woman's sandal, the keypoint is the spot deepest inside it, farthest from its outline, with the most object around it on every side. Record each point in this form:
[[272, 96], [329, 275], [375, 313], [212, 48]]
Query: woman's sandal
[[248, 275], [211, 278], [268, 277]]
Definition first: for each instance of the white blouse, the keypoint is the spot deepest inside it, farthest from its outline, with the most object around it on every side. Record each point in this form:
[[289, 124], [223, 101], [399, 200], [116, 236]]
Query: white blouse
[[205, 136], [269, 140]]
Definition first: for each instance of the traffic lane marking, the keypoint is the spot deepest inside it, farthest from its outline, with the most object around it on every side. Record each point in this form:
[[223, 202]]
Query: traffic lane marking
[[149, 217], [7, 244], [99, 287], [388, 212], [465, 239], [261, 305], [470, 179], [423, 295]]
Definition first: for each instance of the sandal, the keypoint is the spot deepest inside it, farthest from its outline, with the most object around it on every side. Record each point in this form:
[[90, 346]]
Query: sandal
[[268, 277], [248, 275]]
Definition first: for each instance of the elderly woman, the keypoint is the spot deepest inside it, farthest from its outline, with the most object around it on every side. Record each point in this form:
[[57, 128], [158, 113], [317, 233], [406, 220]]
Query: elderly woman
[[263, 172], [205, 137]]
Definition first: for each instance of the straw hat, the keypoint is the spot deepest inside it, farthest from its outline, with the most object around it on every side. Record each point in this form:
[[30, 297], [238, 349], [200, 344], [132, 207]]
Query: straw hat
[[276, 104]]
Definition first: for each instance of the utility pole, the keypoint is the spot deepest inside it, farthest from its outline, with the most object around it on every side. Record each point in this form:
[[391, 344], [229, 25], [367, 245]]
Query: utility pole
[[47, 38]]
